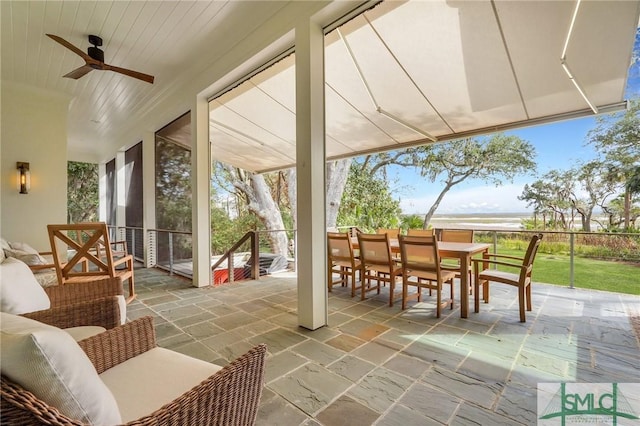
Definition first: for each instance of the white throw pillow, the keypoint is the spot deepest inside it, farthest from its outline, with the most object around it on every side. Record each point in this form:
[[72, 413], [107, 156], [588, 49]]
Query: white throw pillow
[[49, 363], [23, 247], [25, 253], [4, 244], [19, 291]]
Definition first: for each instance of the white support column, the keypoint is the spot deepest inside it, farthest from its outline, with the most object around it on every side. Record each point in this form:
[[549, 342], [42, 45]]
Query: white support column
[[149, 195], [121, 195], [200, 181], [310, 167], [102, 192]]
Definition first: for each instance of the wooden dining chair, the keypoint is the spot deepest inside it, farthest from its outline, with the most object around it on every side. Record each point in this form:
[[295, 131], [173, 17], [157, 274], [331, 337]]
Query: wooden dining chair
[[421, 232], [392, 233], [377, 264], [421, 261], [82, 252], [457, 236], [520, 279], [341, 261]]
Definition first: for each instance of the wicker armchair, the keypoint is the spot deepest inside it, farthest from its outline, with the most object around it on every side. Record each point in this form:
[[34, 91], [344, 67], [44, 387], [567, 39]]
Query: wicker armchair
[[228, 397], [79, 304]]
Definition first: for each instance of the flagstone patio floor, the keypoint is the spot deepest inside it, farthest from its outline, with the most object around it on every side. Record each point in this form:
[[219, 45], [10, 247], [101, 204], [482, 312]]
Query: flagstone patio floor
[[378, 365]]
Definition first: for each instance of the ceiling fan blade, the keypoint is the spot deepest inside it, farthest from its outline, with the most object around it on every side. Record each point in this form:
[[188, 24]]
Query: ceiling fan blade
[[70, 46], [78, 72], [135, 74]]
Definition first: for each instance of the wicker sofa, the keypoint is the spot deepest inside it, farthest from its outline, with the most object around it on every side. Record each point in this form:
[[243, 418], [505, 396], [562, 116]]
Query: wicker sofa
[[142, 374], [97, 303]]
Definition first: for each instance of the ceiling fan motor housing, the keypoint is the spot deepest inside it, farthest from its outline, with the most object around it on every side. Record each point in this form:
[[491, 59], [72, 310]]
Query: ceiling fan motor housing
[[96, 53]]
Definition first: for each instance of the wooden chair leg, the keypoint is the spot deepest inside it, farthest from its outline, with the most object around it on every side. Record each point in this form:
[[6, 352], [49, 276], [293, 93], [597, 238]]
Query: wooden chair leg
[[529, 297], [453, 292], [438, 299], [132, 291], [521, 303], [392, 286], [404, 294], [476, 295]]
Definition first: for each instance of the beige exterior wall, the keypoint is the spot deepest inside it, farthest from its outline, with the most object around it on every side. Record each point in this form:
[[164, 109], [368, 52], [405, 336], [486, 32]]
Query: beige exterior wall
[[33, 128]]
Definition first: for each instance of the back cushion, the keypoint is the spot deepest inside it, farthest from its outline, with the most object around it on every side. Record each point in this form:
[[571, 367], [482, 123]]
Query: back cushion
[[19, 290], [26, 253], [47, 362]]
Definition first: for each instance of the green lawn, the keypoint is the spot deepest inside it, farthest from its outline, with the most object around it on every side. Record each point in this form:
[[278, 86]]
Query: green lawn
[[589, 273]]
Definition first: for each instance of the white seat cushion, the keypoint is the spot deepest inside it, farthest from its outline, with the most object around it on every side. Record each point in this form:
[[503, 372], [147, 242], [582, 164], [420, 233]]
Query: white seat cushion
[[143, 384], [49, 363], [122, 304], [19, 291], [83, 332]]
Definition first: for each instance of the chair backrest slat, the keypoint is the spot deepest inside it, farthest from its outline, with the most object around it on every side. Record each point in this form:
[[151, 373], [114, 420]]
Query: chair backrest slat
[[375, 249], [392, 233], [530, 255], [89, 247], [420, 253], [457, 235], [339, 246], [421, 232]]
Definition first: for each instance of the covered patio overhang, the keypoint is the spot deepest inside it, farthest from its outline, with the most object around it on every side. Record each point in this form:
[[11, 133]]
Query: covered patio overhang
[[407, 73]]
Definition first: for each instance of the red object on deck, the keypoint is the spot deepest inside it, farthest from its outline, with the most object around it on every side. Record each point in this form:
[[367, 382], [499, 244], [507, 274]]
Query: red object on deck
[[221, 276]]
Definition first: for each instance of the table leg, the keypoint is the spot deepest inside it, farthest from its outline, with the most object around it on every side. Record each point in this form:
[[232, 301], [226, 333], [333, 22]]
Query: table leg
[[465, 260]]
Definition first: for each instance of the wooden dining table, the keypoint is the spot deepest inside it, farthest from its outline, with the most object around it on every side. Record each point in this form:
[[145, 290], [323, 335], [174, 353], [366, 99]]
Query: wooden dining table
[[462, 251]]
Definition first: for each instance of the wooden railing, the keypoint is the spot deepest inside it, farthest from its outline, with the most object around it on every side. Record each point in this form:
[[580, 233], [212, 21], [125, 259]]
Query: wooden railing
[[254, 260]]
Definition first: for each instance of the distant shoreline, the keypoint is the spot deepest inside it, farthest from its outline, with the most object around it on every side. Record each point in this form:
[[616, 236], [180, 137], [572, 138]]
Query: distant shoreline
[[522, 215], [491, 221]]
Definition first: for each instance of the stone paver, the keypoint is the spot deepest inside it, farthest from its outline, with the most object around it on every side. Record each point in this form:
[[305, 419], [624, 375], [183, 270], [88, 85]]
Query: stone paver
[[378, 365], [351, 367], [379, 389], [431, 402], [347, 412], [311, 387]]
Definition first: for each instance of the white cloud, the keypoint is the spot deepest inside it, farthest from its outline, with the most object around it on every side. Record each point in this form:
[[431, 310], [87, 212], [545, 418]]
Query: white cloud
[[481, 199]]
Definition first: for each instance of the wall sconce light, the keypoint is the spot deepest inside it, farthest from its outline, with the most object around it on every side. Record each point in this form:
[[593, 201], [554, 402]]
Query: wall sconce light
[[24, 177]]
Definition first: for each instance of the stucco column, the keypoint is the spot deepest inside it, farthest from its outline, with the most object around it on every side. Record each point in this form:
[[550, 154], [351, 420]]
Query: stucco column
[[149, 194], [121, 197], [200, 177], [310, 169], [102, 192]]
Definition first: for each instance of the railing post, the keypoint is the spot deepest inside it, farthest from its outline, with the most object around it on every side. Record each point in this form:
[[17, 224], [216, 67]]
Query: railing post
[[571, 242], [170, 253], [255, 255], [230, 268], [133, 243], [495, 246]]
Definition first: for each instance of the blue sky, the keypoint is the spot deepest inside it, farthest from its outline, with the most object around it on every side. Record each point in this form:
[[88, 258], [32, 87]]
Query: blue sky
[[558, 146]]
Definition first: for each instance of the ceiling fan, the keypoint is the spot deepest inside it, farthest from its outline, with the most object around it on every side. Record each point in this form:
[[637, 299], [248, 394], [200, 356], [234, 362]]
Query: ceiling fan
[[94, 60]]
